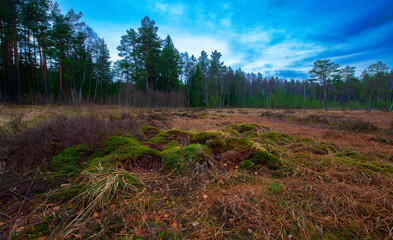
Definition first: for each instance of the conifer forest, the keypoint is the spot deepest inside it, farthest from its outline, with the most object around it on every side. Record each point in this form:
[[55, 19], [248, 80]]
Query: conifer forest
[[196, 119]]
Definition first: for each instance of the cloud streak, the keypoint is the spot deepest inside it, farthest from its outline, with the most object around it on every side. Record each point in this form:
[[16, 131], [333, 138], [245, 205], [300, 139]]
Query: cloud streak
[[276, 37]]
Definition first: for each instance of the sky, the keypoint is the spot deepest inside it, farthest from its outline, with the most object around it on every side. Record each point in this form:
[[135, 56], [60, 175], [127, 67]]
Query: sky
[[274, 37]]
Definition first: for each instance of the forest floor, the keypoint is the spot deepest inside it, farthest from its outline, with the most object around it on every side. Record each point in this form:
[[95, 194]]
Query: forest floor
[[109, 172]]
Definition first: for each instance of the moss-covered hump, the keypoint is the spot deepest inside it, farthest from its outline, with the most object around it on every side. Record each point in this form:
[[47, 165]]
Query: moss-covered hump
[[184, 158], [69, 161], [118, 150], [182, 137], [179, 150], [262, 158], [272, 136], [149, 131]]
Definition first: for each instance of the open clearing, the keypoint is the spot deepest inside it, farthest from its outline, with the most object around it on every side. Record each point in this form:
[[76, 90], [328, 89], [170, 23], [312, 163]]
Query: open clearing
[[110, 172]]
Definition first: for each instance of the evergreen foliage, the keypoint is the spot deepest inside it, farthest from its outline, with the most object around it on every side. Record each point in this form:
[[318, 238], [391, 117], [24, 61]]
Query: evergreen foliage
[[51, 57]]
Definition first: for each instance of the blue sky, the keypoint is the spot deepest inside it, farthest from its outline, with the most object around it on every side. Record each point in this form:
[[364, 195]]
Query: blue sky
[[275, 37]]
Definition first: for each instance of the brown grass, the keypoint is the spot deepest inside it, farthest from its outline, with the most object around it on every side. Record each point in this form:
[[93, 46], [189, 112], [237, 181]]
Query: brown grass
[[332, 194]]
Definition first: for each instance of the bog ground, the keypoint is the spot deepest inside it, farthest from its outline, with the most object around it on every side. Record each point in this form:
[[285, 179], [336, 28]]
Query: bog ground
[[104, 172]]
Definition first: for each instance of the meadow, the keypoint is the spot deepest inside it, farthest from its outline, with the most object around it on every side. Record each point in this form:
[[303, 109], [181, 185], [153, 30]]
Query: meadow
[[110, 172]]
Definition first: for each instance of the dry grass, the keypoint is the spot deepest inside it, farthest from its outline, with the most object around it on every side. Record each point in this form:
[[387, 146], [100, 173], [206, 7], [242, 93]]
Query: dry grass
[[335, 184]]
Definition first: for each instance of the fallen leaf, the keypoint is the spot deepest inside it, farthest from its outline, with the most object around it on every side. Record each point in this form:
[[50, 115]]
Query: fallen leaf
[[96, 215], [56, 208], [174, 225], [20, 229], [195, 224]]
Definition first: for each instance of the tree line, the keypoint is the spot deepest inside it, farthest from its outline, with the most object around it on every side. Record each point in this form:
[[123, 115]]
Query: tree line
[[52, 57], [48, 56]]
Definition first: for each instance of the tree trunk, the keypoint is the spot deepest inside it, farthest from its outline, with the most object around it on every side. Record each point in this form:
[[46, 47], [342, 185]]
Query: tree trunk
[[304, 96], [371, 101], [30, 58], [3, 63], [101, 79], [60, 74], [325, 94], [45, 72], [19, 87]]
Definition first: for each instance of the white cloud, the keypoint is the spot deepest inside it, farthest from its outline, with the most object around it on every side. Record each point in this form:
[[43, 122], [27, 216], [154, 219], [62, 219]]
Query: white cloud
[[194, 44], [174, 10], [226, 22], [282, 55]]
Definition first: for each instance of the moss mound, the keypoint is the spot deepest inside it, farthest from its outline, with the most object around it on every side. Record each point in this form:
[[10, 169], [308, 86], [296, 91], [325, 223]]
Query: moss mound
[[125, 151], [149, 131], [273, 137], [70, 160], [202, 137], [262, 158], [184, 158], [182, 137]]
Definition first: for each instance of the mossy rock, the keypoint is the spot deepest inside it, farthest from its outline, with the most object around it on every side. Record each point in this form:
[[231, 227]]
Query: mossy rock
[[262, 158], [69, 161]]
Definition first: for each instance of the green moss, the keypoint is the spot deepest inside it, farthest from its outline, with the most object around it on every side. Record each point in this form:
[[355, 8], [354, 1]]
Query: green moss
[[67, 193], [216, 144], [250, 134], [172, 144], [275, 188], [367, 162], [185, 158], [167, 136], [159, 139], [262, 158], [114, 143], [248, 164], [173, 159], [275, 136], [69, 161], [119, 149], [242, 143], [149, 131], [195, 153], [145, 128], [205, 136], [242, 128], [319, 148]]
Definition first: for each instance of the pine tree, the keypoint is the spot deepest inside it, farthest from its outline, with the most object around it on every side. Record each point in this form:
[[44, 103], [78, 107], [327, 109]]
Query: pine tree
[[170, 67], [150, 49], [376, 72], [324, 71]]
